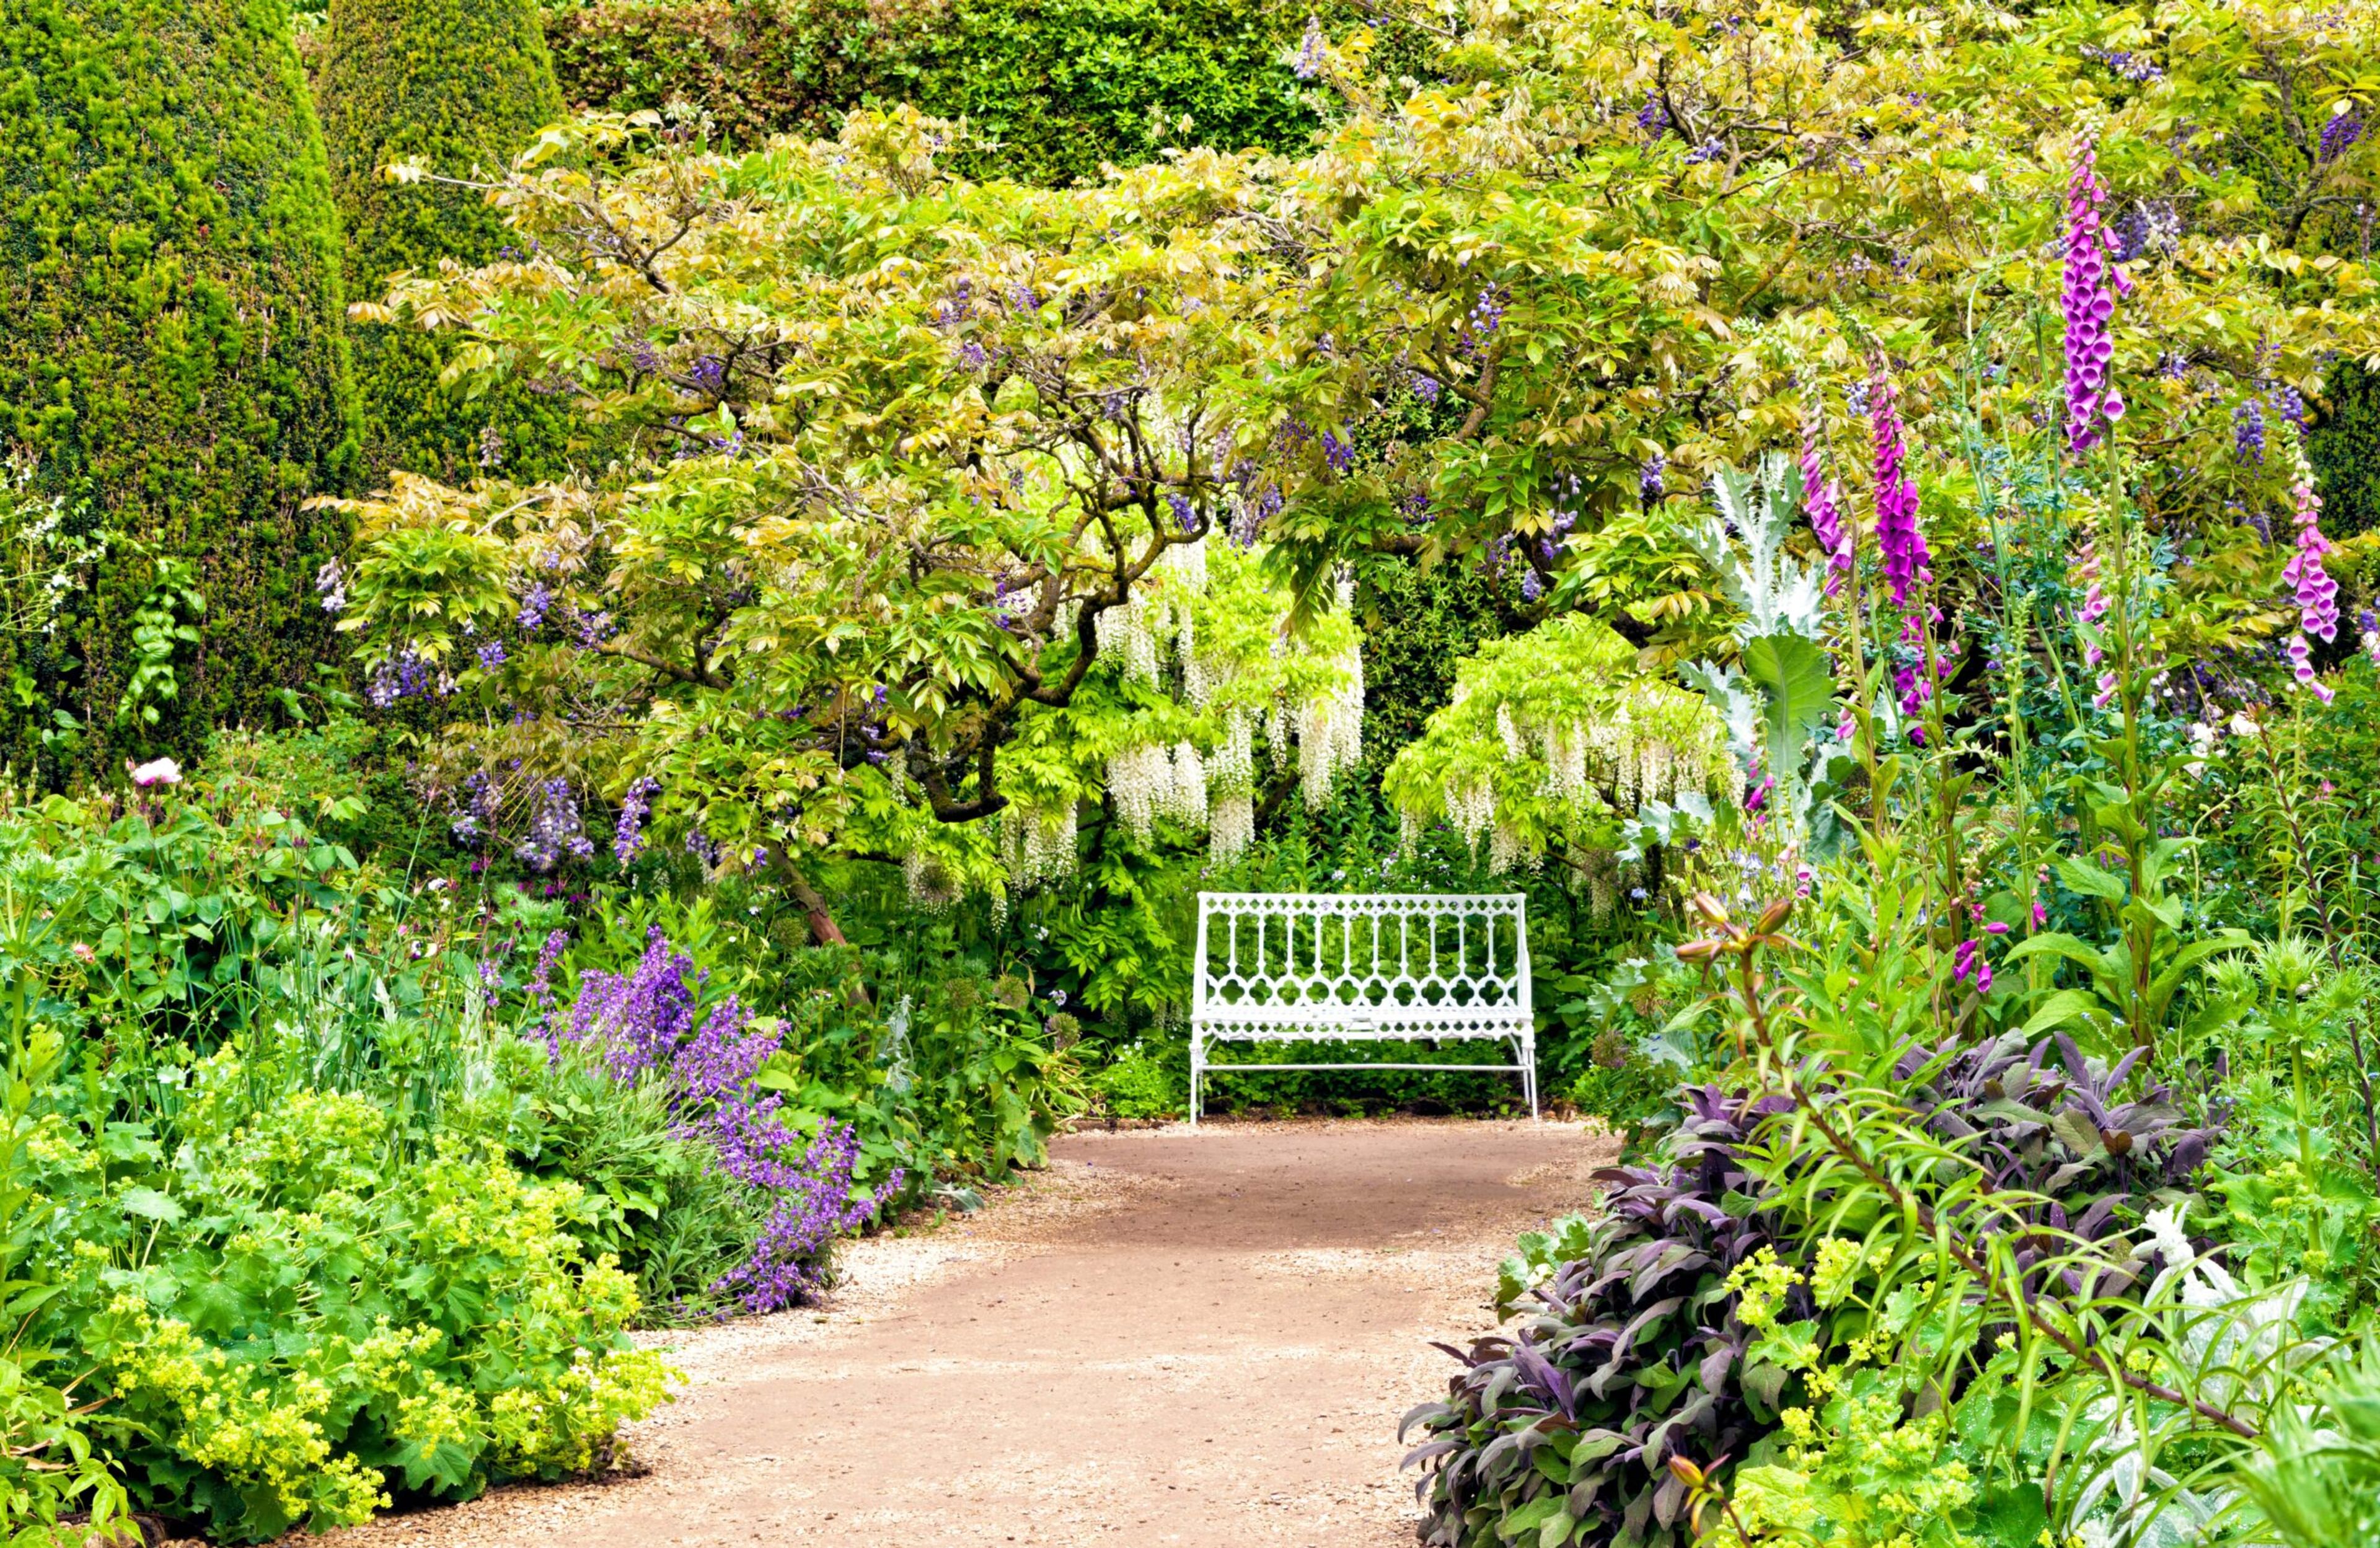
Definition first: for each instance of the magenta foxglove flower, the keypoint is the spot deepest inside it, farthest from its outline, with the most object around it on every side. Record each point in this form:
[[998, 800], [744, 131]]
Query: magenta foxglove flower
[[2315, 593], [2094, 602], [1825, 499], [2089, 305], [1897, 538]]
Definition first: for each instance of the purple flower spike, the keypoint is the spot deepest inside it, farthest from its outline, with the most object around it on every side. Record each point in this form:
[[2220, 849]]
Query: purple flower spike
[[2315, 592], [2089, 305], [1825, 498], [1897, 538]]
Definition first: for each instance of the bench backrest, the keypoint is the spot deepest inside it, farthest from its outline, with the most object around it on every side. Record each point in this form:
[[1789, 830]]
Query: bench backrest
[[1329, 963]]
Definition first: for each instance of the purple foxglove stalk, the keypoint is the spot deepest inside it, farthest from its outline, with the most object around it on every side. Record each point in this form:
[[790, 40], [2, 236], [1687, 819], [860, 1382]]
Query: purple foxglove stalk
[[1825, 498], [2107, 693], [2316, 593], [1897, 538], [2089, 304], [2094, 602]]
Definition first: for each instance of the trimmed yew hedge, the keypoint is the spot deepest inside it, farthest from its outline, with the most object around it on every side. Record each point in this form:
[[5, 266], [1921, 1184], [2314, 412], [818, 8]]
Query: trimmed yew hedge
[[171, 350]]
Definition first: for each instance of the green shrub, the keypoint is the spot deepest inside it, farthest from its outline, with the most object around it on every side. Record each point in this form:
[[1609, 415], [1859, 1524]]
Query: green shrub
[[1061, 85], [457, 89], [295, 1329], [171, 352], [774, 66]]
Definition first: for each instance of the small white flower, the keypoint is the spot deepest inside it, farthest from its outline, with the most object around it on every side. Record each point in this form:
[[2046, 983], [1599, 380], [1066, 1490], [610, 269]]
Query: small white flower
[[157, 771]]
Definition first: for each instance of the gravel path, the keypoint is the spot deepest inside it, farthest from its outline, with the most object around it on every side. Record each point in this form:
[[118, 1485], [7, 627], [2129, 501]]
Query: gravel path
[[1165, 1338]]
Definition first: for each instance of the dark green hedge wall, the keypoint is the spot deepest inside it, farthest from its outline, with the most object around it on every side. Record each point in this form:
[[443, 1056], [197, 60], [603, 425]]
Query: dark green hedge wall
[[458, 86], [1063, 85], [2343, 444], [171, 346]]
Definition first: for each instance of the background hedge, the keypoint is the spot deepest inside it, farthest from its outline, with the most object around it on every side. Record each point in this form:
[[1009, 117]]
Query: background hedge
[[1063, 85], [170, 347], [458, 86]]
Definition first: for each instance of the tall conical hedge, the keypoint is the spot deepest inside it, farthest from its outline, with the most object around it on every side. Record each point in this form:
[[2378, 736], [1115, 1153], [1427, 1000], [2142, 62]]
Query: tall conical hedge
[[458, 87], [172, 348]]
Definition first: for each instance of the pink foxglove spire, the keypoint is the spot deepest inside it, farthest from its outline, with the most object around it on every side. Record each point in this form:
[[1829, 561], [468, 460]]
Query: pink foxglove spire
[[1897, 538], [2315, 593], [1824, 497], [2089, 305]]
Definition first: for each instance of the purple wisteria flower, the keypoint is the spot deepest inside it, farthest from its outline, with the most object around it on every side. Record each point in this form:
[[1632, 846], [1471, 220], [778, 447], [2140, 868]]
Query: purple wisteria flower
[[331, 583], [1824, 496], [2248, 430], [1311, 50], [491, 656], [2341, 131], [1424, 387], [2089, 305], [1897, 538], [2312, 588], [533, 606], [1339, 454], [1652, 477], [628, 838], [555, 832]]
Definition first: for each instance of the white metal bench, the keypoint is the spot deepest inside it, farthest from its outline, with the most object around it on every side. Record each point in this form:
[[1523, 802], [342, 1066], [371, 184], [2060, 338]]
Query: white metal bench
[[1318, 967]]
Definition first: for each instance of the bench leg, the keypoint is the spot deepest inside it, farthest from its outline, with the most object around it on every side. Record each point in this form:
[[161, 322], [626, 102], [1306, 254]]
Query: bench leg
[[1529, 1070], [1198, 1068]]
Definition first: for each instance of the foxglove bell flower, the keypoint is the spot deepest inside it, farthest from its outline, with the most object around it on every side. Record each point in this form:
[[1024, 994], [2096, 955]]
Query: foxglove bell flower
[[2313, 591], [1897, 538], [1825, 498], [2089, 306]]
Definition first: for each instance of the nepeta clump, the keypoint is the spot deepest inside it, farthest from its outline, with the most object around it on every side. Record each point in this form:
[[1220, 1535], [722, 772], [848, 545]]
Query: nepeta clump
[[644, 1022]]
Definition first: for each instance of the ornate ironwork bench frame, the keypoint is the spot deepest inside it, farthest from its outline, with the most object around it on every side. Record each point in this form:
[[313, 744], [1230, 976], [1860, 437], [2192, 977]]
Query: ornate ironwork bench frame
[[1321, 967]]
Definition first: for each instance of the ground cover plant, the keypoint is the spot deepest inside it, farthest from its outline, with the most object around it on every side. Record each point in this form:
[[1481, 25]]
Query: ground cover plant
[[1861, 516]]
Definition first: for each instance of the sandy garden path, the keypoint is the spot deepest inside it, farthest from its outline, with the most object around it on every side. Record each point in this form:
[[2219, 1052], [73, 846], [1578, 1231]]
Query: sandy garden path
[[1165, 1338]]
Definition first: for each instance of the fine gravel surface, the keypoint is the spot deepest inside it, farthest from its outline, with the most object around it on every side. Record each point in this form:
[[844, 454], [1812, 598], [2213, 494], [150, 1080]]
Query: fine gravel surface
[[1166, 1337]]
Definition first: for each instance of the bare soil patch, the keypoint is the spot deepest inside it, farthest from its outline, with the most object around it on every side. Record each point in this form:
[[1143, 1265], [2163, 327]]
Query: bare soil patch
[[1167, 1337]]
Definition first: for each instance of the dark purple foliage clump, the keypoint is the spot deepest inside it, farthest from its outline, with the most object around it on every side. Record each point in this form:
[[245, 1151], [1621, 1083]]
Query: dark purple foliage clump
[[1630, 1356], [1630, 1353]]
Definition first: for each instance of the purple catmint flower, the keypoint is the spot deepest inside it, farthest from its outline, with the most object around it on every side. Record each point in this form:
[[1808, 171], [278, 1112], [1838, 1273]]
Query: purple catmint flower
[[1897, 538], [2315, 593], [628, 838], [2089, 305], [643, 1023], [1824, 497]]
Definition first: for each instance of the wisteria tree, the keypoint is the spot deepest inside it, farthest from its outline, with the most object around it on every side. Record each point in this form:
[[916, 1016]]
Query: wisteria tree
[[903, 461]]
